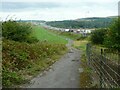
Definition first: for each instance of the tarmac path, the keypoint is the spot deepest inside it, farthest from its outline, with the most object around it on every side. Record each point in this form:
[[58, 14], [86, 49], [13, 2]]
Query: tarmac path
[[62, 74]]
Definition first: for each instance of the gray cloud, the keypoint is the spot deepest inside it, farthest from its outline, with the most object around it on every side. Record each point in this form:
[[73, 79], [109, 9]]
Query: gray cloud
[[119, 8], [18, 6], [22, 6], [58, 10]]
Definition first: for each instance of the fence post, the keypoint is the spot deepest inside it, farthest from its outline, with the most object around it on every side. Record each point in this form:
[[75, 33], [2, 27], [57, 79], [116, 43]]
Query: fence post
[[119, 68], [104, 65], [88, 52], [101, 58]]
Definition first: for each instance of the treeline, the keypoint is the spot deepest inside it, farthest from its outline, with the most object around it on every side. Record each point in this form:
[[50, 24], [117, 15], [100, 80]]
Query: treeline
[[109, 37], [82, 23]]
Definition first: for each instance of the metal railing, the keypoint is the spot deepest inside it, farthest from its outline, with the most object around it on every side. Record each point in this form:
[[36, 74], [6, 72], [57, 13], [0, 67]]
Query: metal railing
[[106, 64]]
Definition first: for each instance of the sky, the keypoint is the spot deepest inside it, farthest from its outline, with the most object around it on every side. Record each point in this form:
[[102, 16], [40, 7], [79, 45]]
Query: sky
[[54, 10]]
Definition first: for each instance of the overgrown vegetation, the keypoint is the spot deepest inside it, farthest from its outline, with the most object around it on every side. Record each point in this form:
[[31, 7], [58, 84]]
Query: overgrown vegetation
[[71, 35], [109, 38], [112, 39], [23, 56], [17, 31], [98, 36], [19, 56], [85, 76], [81, 45], [74, 36]]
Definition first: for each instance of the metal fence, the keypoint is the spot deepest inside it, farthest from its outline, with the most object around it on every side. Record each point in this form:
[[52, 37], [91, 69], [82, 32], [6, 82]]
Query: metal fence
[[106, 64]]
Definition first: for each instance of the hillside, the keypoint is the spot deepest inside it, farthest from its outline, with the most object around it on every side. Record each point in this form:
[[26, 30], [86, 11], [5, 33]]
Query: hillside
[[92, 22], [96, 18]]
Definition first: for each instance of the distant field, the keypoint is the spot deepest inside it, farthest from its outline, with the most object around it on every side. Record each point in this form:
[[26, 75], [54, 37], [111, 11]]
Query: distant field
[[44, 35], [70, 35], [80, 44]]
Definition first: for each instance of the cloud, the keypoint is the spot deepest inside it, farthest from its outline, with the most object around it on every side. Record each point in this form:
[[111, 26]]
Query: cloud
[[119, 8], [20, 6], [58, 9], [62, 1]]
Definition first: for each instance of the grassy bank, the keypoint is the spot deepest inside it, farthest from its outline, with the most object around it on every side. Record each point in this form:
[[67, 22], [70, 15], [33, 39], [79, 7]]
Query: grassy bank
[[43, 34], [23, 60]]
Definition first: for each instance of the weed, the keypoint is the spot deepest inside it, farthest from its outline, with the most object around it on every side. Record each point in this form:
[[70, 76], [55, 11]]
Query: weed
[[85, 76], [23, 59]]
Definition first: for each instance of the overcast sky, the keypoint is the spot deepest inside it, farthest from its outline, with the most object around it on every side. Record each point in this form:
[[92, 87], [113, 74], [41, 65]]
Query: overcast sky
[[50, 10]]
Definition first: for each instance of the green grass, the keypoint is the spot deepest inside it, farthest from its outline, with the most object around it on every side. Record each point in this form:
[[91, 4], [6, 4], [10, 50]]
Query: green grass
[[71, 35], [80, 45], [43, 34], [85, 79]]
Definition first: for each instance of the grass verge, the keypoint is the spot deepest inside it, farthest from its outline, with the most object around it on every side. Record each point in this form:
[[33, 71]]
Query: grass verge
[[81, 44], [85, 76]]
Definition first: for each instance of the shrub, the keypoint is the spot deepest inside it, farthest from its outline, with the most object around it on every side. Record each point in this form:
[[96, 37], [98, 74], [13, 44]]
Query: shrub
[[17, 31], [32, 40], [10, 77], [17, 56], [97, 36], [113, 36]]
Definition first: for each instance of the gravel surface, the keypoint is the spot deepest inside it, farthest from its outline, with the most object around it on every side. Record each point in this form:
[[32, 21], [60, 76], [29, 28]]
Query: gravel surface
[[62, 74]]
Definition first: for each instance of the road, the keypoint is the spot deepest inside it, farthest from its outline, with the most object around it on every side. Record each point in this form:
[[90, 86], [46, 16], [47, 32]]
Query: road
[[62, 74]]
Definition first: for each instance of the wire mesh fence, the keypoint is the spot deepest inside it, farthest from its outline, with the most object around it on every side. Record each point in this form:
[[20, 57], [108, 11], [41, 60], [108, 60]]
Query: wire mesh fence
[[106, 63]]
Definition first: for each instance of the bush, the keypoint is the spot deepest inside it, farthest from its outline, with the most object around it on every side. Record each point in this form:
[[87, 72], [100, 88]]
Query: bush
[[81, 37], [17, 31], [98, 36], [32, 40], [113, 36], [11, 77], [17, 56], [71, 35]]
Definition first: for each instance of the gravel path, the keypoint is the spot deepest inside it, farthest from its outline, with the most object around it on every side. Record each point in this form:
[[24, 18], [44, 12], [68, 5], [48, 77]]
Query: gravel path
[[62, 74]]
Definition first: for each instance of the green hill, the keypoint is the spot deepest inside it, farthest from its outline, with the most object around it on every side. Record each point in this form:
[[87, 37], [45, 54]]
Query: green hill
[[92, 22]]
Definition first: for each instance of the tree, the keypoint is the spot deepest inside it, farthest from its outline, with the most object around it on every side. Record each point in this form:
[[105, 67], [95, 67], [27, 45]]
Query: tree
[[113, 36], [97, 36]]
